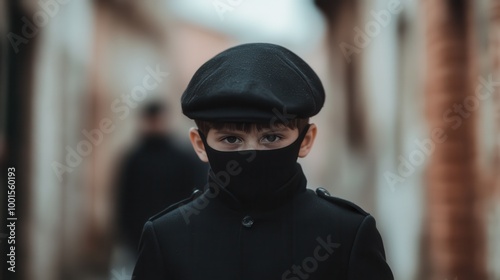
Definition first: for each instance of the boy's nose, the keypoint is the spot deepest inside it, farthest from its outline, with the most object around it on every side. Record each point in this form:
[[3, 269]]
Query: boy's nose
[[251, 145]]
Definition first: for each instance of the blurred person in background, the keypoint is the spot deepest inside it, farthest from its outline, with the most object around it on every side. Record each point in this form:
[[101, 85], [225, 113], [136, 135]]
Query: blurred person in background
[[156, 172]]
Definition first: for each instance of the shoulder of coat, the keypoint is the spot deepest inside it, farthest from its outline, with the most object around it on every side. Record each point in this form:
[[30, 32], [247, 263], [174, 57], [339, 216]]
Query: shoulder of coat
[[194, 195], [342, 203]]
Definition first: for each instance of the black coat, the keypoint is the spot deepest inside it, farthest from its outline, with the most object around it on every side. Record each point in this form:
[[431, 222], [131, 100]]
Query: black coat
[[297, 234]]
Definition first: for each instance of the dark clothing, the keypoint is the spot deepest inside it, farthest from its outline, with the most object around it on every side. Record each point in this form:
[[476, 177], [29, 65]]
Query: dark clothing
[[295, 234], [154, 175]]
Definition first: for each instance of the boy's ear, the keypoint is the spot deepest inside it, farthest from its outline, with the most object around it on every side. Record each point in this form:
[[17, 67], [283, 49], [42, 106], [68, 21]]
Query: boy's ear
[[308, 141], [197, 143]]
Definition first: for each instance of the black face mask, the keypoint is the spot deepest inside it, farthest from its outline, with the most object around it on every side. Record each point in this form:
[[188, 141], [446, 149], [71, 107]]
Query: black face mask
[[253, 175]]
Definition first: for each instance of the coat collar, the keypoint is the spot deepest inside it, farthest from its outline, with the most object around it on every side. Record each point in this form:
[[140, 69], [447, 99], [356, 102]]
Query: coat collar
[[295, 185]]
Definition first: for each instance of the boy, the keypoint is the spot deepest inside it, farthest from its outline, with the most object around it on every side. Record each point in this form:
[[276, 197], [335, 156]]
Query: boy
[[256, 219]]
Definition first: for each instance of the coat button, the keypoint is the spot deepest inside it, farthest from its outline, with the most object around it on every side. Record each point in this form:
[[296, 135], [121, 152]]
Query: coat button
[[196, 192], [322, 192], [247, 221]]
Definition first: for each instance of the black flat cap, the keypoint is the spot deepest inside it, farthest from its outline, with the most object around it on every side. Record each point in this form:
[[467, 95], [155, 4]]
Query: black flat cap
[[255, 82]]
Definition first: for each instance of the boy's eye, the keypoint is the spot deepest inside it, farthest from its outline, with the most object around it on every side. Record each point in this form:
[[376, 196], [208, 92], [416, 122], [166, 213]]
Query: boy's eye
[[271, 138], [231, 139]]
